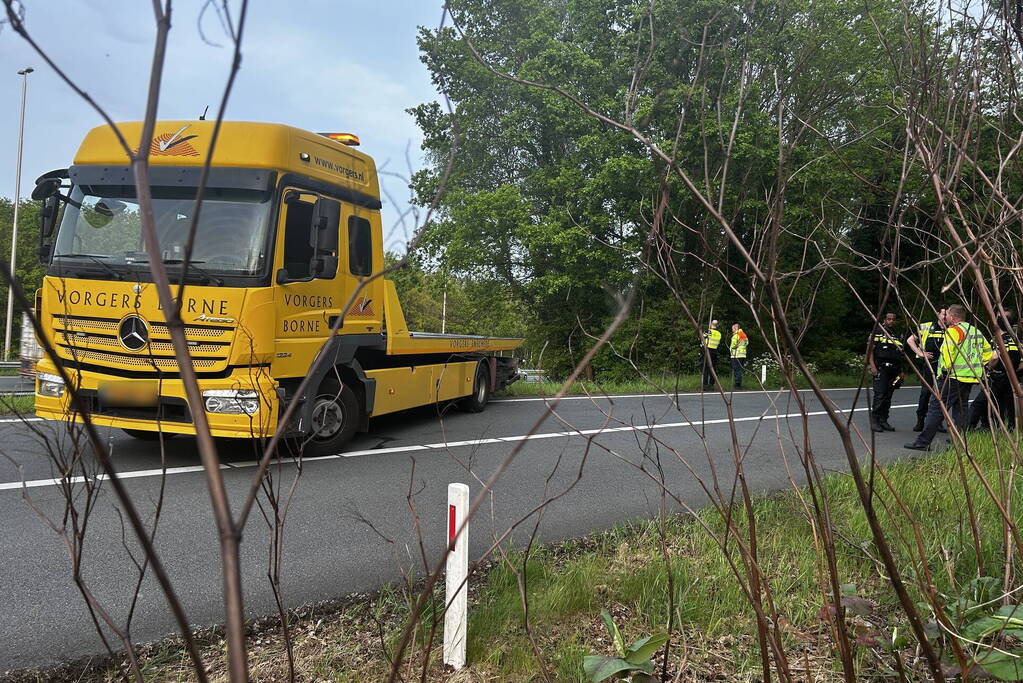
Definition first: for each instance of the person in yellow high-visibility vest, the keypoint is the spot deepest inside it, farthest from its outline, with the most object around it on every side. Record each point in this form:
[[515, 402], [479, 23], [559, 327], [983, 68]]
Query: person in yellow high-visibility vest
[[737, 350], [711, 342], [961, 366]]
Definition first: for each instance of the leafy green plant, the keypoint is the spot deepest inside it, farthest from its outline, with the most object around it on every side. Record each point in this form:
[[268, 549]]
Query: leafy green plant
[[991, 633], [632, 663], [999, 659]]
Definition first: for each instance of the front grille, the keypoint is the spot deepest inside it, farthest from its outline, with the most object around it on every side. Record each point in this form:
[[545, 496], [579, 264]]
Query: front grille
[[75, 323], [94, 340], [137, 361], [195, 331], [72, 322], [86, 340]]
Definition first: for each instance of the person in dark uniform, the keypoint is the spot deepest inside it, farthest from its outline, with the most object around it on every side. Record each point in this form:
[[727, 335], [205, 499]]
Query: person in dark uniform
[[884, 359], [999, 384], [926, 344]]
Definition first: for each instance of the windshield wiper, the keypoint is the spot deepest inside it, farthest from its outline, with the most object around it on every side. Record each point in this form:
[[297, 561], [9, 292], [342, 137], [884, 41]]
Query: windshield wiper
[[193, 269], [96, 258]]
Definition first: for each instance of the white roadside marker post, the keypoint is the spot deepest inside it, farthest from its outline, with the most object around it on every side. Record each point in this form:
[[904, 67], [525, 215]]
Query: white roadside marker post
[[763, 373], [456, 594]]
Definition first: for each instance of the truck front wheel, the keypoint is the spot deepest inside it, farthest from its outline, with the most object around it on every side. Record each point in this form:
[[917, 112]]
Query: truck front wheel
[[335, 417]]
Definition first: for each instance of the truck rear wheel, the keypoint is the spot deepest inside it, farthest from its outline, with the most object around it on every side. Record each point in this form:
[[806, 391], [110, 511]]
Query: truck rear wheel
[[477, 400], [335, 417]]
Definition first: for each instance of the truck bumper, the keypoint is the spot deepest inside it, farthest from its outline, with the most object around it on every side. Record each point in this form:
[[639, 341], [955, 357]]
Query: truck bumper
[[175, 416]]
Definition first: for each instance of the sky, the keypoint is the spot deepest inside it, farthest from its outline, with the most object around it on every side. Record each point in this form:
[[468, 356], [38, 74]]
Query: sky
[[321, 65]]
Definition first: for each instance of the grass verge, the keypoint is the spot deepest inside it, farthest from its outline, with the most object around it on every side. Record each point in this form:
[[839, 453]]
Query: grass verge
[[622, 570], [669, 384], [17, 405]]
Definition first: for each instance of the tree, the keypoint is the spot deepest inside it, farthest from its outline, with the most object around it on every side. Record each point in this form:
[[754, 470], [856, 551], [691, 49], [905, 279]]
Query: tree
[[557, 205], [29, 272]]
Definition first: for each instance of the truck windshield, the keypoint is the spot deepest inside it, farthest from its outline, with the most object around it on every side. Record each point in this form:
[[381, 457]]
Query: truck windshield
[[101, 227]]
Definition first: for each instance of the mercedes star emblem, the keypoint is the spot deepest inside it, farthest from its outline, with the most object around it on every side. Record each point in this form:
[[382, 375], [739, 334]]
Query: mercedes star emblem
[[133, 333]]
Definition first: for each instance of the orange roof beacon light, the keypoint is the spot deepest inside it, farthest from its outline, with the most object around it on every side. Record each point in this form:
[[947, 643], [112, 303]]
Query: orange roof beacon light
[[344, 138]]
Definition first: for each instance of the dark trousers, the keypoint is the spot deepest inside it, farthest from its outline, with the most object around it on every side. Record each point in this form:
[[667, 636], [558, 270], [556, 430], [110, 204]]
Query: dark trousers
[[884, 389], [928, 377], [1001, 400], [955, 395], [737, 373], [708, 373]]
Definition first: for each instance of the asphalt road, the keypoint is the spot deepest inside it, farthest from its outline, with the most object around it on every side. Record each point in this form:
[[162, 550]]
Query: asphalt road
[[330, 547]]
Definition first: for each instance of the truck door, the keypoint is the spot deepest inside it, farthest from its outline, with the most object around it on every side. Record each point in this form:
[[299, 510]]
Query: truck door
[[361, 256], [307, 288]]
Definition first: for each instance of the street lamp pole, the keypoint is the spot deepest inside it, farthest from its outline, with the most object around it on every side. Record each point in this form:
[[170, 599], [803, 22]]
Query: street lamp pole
[[17, 200]]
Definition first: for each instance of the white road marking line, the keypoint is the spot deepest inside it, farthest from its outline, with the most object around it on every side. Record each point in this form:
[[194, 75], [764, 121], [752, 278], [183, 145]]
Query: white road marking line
[[135, 474], [546, 398], [668, 394]]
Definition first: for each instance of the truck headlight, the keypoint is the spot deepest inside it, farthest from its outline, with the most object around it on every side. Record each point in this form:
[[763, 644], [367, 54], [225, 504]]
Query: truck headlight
[[50, 385], [231, 401]]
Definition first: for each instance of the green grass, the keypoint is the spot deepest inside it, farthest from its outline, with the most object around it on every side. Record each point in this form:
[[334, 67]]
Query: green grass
[[623, 569], [17, 405], [670, 384]]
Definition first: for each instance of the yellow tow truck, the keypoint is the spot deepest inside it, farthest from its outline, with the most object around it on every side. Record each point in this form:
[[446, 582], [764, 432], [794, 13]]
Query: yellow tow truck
[[289, 227]]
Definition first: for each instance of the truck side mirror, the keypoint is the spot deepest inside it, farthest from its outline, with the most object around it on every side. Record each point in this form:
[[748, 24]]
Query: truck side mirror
[[48, 216], [46, 188], [323, 237]]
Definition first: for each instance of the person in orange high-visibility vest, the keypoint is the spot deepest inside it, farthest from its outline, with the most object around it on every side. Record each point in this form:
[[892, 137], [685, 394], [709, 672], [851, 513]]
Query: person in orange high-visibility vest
[[711, 342], [737, 350], [963, 350]]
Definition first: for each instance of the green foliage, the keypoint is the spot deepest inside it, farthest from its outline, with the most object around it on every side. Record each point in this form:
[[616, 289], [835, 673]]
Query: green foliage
[[474, 306], [630, 661], [556, 207], [28, 271], [992, 633]]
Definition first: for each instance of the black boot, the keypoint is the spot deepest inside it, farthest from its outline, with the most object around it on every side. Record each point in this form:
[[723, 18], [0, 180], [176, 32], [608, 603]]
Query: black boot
[[919, 426], [887, 427], [875, 424]]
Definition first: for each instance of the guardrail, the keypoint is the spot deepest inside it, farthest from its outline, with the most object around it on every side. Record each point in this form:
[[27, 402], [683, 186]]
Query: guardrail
[[531, 376], [10, 363]]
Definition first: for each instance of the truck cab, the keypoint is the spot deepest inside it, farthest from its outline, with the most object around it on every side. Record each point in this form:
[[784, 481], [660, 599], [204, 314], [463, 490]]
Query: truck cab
[[286, 239]]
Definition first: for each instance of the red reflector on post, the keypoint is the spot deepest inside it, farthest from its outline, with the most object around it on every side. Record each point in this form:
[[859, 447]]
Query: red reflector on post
[[451, 524]]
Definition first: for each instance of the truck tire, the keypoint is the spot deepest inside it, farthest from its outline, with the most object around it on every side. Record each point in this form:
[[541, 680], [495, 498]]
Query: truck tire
[[335, 417], [143, 435], [477, 400]]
